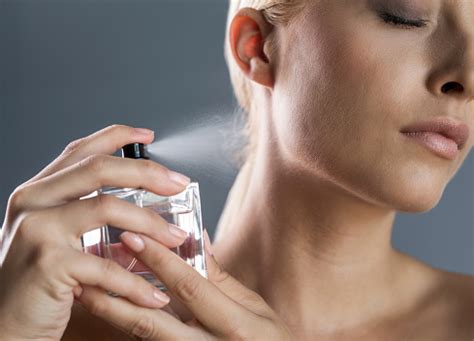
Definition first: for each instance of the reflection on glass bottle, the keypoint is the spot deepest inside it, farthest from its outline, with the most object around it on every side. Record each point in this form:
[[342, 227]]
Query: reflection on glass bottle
[[182, 209]]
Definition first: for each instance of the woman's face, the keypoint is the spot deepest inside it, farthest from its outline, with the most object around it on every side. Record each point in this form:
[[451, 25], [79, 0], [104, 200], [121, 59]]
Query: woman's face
[[347, 82]]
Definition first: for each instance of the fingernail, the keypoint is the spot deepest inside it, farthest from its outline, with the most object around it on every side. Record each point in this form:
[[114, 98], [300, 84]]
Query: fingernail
[[177, 231], [160, 296], [207, 245], [179, 178], [144, 131], [133, 241]]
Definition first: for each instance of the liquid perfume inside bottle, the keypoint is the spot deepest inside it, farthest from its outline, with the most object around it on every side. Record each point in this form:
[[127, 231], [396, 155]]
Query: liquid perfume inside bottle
[[182, 209]]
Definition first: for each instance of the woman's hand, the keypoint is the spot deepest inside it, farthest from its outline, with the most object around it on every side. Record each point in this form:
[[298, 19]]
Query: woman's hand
[[223, 308], [41, 258]]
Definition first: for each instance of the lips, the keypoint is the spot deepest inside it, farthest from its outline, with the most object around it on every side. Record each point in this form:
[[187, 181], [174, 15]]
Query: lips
[[445, 136]]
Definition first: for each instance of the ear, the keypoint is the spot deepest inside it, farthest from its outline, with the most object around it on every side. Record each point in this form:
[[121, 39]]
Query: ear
[[247, 34]]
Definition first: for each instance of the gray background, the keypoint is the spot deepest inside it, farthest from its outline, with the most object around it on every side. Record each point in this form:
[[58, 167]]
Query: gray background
[[69, 68]]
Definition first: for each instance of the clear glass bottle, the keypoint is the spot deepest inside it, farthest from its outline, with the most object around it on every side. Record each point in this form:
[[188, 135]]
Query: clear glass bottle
[[182, 209]]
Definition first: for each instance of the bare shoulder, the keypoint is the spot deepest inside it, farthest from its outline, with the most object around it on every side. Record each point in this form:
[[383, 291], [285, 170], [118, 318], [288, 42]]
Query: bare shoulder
[[442, 303], [452, 304], [457, 289]]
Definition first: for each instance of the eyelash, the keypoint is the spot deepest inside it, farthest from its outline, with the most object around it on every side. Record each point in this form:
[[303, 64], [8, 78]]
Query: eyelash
[[399, 21]]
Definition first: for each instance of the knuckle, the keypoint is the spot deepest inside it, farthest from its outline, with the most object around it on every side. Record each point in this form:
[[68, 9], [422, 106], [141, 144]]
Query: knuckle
[[151, 215], [106, 203], [143, 327], [117, 127], [109, 268], [147, 165], [104, 206], [17, 199], [187, 289], [97, 308], [152, 166], [94, 163], [153, 218], [73, 145], [159, 260]]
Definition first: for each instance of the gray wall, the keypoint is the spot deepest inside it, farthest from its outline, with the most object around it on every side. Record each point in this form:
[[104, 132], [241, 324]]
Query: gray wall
[[69, 68]]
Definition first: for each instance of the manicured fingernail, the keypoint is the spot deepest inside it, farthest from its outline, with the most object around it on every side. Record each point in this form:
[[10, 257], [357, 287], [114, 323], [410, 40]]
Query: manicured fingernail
[[207, 244], [177, 231], [144, 131], [160, 296], [133, 241], [179, 178]]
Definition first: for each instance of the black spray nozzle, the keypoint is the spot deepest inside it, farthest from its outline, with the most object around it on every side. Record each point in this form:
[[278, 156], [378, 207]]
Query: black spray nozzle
[[135, 151]]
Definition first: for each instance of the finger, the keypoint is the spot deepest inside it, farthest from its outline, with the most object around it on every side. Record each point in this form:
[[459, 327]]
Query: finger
[[210, 306], [77, 217], [231, 286], [98, 171], [133, 320], [87, 269], [104, 141]]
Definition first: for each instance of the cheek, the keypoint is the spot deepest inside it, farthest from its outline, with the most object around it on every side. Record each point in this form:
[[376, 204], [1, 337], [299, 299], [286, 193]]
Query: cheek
[[339, 103], [330, 95]]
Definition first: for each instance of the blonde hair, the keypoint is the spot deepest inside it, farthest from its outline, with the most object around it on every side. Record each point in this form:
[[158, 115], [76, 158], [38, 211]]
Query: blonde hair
[[276, 12]]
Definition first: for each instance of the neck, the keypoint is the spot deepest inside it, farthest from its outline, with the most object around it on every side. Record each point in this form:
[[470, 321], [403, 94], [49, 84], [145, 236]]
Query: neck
[[317, 254]]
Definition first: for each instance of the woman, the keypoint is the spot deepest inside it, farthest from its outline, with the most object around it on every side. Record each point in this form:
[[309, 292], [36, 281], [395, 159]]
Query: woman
[[357, 109]]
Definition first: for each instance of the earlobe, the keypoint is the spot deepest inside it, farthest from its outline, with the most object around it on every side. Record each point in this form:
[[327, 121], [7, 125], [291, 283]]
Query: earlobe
[[248, 31], [261, 72]]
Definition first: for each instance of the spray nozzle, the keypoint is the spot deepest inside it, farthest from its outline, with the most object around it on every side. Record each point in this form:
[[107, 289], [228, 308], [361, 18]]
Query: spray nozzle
[[135, 151]]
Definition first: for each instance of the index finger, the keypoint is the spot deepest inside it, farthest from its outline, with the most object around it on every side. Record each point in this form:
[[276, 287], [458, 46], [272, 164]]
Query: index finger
[[104, 141], [215, 310]]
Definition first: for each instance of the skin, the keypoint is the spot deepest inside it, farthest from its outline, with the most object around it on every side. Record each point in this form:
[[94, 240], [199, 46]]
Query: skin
[[312, 233], [318, 266], [41, 258], [44, 274]]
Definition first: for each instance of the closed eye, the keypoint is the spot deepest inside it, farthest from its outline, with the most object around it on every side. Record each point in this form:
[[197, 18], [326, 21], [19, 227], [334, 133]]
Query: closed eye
[[402, 22]]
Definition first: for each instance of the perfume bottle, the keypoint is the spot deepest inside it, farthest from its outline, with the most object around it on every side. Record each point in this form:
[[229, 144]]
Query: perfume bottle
[[182, 209]]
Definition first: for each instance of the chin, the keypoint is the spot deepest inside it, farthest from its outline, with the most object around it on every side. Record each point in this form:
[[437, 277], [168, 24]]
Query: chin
[[416, 198], [412, 187], [411, 194], [419, 205]]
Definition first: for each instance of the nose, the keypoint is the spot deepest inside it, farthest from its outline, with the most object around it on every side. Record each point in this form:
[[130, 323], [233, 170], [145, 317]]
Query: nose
[[461, 85], [456, 78]]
